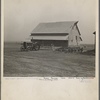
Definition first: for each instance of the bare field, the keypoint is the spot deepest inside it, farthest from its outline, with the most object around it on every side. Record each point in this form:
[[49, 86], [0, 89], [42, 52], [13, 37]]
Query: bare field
[[46, 63]]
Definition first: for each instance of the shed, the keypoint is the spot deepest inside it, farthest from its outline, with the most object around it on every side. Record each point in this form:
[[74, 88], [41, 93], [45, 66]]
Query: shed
[[64, 33]]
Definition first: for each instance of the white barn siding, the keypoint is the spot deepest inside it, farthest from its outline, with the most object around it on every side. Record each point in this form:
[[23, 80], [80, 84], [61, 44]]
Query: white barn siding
[[50, 37], [74, 37]]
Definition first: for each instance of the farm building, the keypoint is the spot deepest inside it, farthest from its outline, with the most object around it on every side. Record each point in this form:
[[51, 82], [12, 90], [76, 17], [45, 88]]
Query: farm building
[[63, 34]]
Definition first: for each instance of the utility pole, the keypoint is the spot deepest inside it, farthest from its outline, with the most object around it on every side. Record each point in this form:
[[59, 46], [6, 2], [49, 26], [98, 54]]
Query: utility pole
[[94, 39]]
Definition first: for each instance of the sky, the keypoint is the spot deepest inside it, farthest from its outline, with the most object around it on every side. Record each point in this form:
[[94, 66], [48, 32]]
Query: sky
[[22, 16]]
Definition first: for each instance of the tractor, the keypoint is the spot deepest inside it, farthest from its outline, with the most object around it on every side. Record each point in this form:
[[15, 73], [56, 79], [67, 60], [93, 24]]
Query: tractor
[[30, 46]]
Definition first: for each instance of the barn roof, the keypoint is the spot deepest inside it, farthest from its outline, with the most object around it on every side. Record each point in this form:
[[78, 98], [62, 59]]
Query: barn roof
[[54, 27]]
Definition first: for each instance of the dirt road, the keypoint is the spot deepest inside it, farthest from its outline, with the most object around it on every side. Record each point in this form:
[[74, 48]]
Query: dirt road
[[46, 63]]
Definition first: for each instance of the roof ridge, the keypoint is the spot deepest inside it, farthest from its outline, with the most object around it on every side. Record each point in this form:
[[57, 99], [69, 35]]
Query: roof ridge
[[57, 22]]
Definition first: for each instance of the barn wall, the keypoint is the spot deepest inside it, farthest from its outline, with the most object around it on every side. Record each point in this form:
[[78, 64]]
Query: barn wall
[[61, 43], [50, 37], [74, 37]]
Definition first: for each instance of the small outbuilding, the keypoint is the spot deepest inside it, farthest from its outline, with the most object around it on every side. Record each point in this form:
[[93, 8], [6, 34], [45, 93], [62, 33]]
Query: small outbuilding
[[63, 34]]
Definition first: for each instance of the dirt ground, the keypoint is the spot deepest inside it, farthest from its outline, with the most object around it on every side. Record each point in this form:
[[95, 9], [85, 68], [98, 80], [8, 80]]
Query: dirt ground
[[46, 63]]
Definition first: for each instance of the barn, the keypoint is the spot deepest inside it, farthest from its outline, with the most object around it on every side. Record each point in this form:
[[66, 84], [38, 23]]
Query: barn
[[63, 34]]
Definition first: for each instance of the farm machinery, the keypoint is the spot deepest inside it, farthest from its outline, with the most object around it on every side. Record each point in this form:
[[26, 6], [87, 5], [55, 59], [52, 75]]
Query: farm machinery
[[35, 45], [71, 49], [30, 46]]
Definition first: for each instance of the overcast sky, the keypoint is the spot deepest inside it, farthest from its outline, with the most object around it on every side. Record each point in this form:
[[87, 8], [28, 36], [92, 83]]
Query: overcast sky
[[22, 16]]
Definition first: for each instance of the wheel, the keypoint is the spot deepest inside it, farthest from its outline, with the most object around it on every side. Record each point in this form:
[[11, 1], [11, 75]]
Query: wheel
[[37, 47], [29, 48]]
